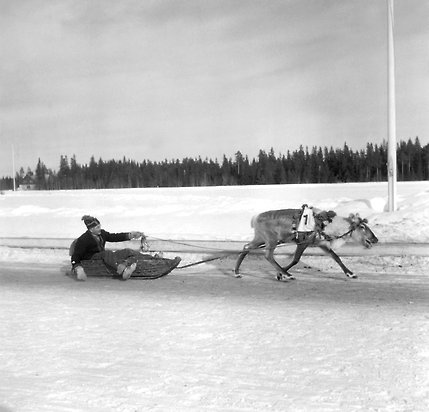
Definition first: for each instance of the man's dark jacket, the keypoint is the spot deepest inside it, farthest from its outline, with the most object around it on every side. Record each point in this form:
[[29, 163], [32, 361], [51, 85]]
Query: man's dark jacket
[[87, 246]]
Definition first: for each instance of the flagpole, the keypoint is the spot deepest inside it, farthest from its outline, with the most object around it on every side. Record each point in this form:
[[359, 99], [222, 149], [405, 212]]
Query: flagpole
[[391, 117], [13, 168]]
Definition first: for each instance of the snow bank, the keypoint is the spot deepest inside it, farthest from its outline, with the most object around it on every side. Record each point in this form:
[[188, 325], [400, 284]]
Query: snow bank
[[214, 213]]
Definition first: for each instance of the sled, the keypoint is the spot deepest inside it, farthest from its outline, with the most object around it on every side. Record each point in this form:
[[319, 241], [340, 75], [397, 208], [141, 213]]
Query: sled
[[148, 267]]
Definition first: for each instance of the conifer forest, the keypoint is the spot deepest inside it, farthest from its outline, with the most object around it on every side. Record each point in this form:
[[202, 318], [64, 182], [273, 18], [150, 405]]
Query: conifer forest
[[304, 165]]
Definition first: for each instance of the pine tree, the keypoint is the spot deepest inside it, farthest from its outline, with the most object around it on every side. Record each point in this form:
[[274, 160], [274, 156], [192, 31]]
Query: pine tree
[[41, 175]]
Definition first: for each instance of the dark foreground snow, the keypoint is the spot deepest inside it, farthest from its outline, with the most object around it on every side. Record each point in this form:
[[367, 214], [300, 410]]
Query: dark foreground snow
[[201, 340]]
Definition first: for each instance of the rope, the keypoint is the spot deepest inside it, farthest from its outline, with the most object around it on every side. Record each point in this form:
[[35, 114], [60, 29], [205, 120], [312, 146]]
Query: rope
[[186, 244], [145, 247], [329, 238], [201, 261], [281, 244]]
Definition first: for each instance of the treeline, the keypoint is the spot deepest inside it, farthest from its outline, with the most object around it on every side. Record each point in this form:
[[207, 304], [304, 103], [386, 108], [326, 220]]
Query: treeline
[[315, 165]]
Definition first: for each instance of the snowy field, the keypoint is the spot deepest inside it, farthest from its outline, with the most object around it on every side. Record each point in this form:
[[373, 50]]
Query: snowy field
[[200, 339], [210, 212]]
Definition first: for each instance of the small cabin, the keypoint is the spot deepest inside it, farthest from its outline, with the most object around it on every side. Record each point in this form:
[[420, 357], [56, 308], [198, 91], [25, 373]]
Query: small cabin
[[27, 184]]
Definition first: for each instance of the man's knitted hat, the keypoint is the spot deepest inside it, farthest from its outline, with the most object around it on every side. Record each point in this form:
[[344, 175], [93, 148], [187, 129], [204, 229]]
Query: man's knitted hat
[[90, 221]]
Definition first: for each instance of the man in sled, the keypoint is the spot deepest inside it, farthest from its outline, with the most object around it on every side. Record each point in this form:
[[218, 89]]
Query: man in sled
[[91, 245]]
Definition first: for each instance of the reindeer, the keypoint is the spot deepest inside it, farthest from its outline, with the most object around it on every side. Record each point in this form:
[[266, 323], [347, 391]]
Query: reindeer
[[275, 227]]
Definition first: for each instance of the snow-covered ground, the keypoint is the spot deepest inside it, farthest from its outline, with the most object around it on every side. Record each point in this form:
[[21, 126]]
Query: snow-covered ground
[[200, 339], [203, 213], [210, 212]]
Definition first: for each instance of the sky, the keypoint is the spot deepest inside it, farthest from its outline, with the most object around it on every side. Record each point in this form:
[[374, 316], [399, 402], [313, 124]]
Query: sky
[[169, 79]]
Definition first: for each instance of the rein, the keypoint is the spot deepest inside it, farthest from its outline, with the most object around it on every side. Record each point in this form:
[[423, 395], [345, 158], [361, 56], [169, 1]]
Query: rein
[[353, 227], [330, 238], [176, 242], [144, 247], [341, 236]]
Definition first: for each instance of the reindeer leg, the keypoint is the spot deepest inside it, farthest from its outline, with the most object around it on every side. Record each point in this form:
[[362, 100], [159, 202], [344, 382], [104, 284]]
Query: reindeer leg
[[240, 258], [246, 249], [281, 273], [337, 259], [297, 256]]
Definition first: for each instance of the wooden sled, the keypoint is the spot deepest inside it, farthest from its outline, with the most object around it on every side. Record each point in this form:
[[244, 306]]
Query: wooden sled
[[148, 267]]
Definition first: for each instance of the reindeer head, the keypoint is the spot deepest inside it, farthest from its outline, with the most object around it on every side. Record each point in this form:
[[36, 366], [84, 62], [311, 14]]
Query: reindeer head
[[361, 233]]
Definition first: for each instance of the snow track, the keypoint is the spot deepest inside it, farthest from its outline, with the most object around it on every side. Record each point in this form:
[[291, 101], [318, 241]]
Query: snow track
[[201, 340]]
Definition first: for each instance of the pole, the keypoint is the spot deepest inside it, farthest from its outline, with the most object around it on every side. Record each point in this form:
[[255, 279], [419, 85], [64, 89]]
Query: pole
[[13, 168], [391, 117]]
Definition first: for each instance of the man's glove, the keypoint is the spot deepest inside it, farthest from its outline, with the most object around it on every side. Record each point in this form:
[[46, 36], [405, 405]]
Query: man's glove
[[136, 235]]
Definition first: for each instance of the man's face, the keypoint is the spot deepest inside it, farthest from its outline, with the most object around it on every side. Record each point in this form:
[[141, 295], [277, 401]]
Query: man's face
[[96, 230]]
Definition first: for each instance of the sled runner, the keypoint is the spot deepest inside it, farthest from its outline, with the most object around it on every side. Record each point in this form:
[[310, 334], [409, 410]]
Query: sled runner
[[148, 267]]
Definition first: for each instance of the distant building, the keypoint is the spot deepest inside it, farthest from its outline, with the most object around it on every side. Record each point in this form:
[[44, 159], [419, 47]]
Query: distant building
[[27, 184]]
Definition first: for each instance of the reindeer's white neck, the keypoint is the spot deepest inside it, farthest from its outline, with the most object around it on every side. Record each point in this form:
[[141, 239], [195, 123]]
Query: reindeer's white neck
[[338, 227]]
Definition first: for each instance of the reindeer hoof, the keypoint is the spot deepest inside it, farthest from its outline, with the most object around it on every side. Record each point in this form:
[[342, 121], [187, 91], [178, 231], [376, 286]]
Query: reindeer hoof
[[352, 276], [284, 278], [237, 275]]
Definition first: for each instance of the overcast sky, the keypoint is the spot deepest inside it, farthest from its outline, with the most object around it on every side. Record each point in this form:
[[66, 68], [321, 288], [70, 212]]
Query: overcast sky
[[167, 79]]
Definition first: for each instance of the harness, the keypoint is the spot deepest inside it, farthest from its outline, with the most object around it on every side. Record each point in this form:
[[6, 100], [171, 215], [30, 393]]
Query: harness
[[312, 235], [145, 247], [353, 227], [327, 237]]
